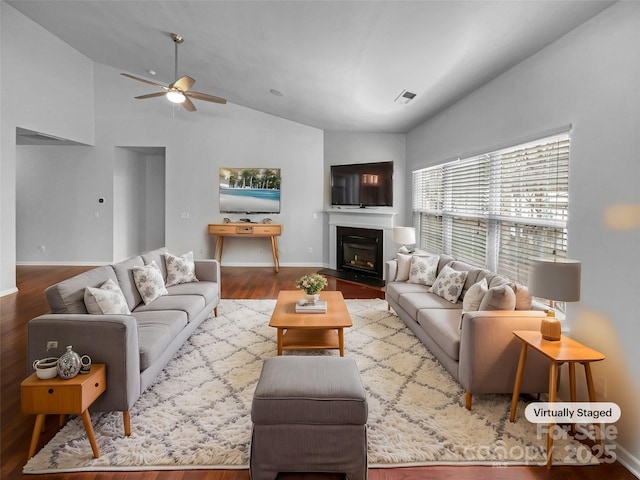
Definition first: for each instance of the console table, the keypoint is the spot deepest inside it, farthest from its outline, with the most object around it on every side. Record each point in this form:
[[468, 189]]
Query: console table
[[245, 229]]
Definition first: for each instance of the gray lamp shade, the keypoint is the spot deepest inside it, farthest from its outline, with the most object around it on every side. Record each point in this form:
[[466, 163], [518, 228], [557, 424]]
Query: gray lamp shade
[[555, 280], [404, 235]]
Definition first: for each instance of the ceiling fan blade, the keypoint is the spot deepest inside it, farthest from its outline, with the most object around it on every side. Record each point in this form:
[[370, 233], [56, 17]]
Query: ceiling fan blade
[[151, 95], [183, 83], [145, 81], [188, 105], [205, 97]]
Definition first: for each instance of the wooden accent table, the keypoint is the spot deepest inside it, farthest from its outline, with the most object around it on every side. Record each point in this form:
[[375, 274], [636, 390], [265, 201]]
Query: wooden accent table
[[565, 350], [310, 331], [245, 229], [73, 396]]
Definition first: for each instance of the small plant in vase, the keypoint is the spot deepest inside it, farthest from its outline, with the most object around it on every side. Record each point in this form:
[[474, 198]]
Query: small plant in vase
[[311, 285]]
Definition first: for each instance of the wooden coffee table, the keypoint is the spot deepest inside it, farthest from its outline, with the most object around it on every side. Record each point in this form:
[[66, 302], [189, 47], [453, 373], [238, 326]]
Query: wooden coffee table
[[310, 331]]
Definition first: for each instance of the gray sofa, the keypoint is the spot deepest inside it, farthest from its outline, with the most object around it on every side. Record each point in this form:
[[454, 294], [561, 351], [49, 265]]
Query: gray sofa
[[135, 347], [476, 347]]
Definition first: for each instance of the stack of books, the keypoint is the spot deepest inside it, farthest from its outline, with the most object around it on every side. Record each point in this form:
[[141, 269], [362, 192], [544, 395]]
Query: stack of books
[[317, 307]]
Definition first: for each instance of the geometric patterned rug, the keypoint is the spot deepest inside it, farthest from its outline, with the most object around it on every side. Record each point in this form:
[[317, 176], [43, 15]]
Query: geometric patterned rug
[[197, 415]]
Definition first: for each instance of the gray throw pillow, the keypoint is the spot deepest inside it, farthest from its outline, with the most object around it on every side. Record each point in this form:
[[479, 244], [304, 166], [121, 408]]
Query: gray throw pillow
[[501, 297]]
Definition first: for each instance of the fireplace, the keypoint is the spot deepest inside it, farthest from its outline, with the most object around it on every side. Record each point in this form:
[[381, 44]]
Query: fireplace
[[360, 251]]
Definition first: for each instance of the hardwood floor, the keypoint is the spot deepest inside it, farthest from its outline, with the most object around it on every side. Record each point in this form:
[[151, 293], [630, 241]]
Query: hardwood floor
[[18, 308]]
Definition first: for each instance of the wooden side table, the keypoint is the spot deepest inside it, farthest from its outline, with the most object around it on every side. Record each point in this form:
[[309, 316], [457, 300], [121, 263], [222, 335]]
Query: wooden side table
[[245, 229], [73, 396], [565, 350]]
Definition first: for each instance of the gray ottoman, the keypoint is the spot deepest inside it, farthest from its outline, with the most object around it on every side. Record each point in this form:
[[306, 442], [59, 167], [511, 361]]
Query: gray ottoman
[[309, 415]]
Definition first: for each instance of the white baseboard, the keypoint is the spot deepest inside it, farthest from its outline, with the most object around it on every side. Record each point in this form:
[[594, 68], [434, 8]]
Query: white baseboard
[[8, 292], [630, 462]]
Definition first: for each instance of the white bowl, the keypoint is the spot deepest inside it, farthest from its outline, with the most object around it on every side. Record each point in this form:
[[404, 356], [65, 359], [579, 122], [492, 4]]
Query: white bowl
[[46, 368], [47, 372]]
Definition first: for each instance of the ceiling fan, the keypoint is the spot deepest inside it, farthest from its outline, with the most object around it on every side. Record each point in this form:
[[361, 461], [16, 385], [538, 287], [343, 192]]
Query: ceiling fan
[[179, 91]]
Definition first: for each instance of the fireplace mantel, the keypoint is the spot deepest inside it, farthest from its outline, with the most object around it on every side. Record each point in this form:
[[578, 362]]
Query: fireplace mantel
[[379, 219]]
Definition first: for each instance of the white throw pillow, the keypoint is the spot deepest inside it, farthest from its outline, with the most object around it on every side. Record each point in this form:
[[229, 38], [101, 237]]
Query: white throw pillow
[[107, 300], [473, 297], [180, 269], [449, 284], [404, 263], [423, 269], [149, 282]]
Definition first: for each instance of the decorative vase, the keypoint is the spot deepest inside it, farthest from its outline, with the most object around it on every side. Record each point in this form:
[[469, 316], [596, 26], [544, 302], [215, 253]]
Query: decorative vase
[[69, 364], [311, 297]]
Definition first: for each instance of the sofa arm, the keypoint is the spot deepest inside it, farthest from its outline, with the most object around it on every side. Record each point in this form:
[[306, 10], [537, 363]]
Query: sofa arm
[[390, 270], [108, 339], [208, 270], [489, 352]]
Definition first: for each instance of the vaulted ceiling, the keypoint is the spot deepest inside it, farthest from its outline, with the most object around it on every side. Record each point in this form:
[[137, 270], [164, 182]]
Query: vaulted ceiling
[[338, 65]]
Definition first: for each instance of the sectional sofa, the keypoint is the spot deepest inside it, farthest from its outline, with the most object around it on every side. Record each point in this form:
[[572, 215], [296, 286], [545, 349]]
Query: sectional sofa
[[132, 316], [466, 316]]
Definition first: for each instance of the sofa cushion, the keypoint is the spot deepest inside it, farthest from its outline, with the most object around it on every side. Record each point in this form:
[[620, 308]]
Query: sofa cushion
[[442, 327], [68, 296], [413, 302], [108, 299], [124, 273], [394, 290], [449, 284], [423, 269], [501, 297], [180, 269], [156, 332], [192, 305], [157, 256], [149, 282], [208, 290]]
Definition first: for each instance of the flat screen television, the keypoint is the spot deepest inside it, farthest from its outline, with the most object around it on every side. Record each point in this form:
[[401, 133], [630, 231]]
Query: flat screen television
[[362, 184], [249, 190]]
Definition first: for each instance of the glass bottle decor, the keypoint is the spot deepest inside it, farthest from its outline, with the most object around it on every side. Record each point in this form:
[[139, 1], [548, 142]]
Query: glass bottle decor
[[69, 364]]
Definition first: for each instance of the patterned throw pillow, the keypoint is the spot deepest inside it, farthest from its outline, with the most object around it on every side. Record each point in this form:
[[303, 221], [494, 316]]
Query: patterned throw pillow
[[180, 269], [423, 269], [107, 300], [149, 282], [449, 284]]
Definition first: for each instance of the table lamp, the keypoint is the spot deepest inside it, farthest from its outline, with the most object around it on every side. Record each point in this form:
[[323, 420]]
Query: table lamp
[[404, 236], [555, 280]]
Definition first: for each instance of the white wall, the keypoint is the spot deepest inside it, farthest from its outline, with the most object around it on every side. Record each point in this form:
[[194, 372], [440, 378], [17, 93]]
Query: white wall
[[588, 79], [35, 64]]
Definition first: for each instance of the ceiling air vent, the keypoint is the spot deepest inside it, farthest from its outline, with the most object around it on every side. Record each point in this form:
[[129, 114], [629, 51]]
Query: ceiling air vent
[[405, 97]]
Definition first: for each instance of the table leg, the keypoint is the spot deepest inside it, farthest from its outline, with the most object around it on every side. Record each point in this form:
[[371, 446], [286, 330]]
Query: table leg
[[217, 251], [553, 384], [35, 436], [341, 341], [592, 396], [518, 382], [572, 388], [274, 251], [280, 335], [86, 420]]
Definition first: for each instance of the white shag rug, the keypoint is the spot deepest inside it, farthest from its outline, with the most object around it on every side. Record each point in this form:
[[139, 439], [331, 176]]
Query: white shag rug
[[197, 415]]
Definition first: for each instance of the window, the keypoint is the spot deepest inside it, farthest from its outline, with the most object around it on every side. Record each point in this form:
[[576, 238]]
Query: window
[[499, 210]]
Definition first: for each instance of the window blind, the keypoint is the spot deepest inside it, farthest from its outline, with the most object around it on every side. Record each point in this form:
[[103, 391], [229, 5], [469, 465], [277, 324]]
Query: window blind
[[500, 210]]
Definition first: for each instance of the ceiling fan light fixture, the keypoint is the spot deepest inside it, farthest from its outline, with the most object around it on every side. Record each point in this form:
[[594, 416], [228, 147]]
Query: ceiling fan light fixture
[[175, 96]]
